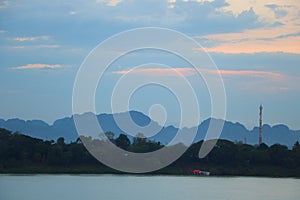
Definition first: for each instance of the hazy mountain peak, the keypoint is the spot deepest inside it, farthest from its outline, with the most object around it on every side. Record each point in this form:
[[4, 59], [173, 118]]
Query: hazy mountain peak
[[133, 122]]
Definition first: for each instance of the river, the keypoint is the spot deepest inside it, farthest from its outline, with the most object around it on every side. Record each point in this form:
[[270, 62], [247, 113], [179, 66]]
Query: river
[[115, 187]]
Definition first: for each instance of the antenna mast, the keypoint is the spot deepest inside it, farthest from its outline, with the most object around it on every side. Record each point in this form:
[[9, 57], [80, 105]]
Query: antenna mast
[[260, 124]]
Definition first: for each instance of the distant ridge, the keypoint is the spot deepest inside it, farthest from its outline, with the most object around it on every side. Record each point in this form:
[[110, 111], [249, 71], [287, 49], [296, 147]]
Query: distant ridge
[[231, 131]]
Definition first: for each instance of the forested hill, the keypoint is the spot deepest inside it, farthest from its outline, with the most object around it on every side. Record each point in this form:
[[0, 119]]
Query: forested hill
[[232, 131], [23, 154]]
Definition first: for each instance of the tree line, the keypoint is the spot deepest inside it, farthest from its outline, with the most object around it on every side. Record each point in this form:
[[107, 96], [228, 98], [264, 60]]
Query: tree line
[[23, 154]]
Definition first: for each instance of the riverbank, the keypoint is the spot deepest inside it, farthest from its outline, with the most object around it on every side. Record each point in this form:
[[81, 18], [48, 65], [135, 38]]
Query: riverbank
[[254, 172], [20, 154]]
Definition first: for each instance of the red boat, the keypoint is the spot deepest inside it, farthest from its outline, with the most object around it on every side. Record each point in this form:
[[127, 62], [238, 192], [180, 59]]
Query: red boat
[[200, 172]]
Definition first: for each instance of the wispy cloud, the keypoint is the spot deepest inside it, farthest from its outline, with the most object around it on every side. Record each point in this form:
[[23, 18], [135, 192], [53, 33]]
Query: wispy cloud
[[72, 12], [283, 37], [279, 11], [286, 45], [4, 4], [286, 10], [242, 80], [273, 39], [37, 66], [111, 3], [42, 46], [23, 39], [11, 92], [258, 81], [160, 71], [249, 73], [192, 71]]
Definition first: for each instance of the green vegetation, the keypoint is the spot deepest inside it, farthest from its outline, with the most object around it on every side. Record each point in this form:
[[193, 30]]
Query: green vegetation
[[23, 154]]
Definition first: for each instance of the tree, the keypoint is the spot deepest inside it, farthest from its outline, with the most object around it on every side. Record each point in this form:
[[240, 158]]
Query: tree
[[263, 147], [278, 154], [296, 154], [122, 141], [61, 142], [110, 135], [139, 139], [296, 146], [55, 155]]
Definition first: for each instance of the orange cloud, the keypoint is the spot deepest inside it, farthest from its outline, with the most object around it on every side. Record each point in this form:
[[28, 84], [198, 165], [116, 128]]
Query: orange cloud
[[259, 74], [282, 38], [287, 45], [37, 66], [279, 39]]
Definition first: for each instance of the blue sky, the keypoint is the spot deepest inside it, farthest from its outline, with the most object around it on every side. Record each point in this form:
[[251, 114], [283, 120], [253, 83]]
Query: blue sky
[[255, 44]]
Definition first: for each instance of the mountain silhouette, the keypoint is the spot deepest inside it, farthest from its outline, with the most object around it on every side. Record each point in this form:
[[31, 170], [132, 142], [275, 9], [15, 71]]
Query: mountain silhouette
[[134, 122]]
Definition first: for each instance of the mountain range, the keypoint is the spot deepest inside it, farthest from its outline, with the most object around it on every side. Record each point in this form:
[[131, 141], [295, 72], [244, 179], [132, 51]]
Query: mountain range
[[65, 127]]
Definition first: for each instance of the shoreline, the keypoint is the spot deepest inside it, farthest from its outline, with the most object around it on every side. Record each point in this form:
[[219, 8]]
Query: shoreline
[[146, 175], [117, 173]]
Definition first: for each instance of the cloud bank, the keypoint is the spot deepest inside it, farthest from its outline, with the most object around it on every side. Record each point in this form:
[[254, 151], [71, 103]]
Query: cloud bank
[[37, 66]]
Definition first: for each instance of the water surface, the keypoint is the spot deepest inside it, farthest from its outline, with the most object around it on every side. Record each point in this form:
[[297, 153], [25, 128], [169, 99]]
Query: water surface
[[114, 187]]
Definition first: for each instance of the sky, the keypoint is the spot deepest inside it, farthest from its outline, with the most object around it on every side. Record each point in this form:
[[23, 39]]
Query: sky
[[255, 44]]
